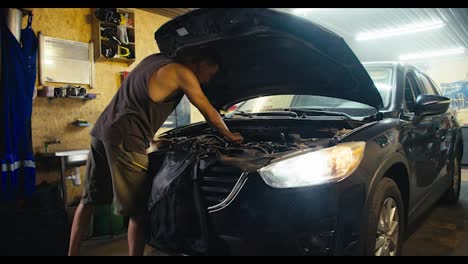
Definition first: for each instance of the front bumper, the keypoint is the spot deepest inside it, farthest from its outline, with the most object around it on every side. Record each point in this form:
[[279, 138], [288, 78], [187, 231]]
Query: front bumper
[[319, 220]]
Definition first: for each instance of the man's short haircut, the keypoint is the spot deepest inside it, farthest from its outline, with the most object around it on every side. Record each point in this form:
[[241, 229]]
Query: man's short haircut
[[208, 54]]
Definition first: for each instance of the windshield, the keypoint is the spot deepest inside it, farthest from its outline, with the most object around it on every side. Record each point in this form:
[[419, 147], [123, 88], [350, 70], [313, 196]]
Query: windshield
[[382, 77]]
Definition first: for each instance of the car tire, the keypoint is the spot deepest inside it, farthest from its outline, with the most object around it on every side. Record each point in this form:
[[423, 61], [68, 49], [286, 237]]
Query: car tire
[[452, 194], [385, 200]]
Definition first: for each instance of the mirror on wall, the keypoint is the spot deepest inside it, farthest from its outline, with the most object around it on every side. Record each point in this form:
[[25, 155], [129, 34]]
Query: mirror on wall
[[65, 61]]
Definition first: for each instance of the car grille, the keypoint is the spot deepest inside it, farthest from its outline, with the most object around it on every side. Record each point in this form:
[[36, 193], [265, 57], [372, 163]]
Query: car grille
[[219, 183]]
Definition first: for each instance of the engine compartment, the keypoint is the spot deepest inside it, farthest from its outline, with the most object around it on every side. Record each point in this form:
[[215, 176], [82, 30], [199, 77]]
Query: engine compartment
[[264, 139], [268, 137]]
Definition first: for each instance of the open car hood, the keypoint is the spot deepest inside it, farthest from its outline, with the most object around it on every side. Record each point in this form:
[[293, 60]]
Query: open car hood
[[266, 52]]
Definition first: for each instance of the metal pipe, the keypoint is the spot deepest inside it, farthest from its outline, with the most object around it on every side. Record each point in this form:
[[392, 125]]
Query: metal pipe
[[14, 20], [63, 182]]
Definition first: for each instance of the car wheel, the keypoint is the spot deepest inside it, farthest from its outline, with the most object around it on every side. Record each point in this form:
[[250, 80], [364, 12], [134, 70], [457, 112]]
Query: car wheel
[[453, 193], [385, 222]]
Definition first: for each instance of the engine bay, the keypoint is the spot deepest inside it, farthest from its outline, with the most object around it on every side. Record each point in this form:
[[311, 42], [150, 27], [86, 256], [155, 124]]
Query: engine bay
[[270, 137]]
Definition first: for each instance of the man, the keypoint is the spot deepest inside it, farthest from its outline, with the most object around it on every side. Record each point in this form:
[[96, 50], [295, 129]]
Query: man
[[117, 160]]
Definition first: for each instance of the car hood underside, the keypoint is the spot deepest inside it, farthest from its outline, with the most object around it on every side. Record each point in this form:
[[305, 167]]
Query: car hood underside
[[266, 52]]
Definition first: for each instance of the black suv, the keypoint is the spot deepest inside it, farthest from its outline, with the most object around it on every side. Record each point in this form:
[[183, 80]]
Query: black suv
[[341, 156]]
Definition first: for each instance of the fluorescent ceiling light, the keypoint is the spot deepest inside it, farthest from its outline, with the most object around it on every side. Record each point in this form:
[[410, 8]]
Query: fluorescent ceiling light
[[430, 54], [407, 29], [383, 86], [303, 11]]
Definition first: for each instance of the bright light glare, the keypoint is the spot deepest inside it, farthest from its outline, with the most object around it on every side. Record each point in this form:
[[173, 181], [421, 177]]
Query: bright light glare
[[383, 87], [303, 11], [407, 29], [315, 167]]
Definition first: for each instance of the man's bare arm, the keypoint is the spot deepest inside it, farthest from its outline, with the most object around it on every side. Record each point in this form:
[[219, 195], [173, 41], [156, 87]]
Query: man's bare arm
[[191, 87]]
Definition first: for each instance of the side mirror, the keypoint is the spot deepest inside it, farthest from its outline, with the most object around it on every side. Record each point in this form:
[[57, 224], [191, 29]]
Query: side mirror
[[427, 104]]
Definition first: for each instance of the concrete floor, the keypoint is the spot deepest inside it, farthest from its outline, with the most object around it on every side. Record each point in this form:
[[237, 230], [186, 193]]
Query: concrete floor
[[112, 247], [442, 232]]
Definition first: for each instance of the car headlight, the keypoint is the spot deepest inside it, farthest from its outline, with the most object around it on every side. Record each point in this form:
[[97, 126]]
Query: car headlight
[[314, 167]]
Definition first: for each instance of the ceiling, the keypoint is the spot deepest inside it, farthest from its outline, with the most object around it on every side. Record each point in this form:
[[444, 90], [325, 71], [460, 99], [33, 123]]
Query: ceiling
[[348, 22]]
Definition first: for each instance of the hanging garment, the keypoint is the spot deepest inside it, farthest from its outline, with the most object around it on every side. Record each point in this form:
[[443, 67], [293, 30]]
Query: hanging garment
[[17, 89]]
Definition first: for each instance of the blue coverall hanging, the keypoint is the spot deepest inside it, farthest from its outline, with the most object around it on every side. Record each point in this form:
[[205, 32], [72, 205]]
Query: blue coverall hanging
[[18, 79]]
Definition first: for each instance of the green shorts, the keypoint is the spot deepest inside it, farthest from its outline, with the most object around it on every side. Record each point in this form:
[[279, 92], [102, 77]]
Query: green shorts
[[119, 176]]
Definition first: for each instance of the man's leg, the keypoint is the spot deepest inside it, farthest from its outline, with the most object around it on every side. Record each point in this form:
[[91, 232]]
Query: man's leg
[[131, 185], [97, 189], [80, 226], [136, 236]]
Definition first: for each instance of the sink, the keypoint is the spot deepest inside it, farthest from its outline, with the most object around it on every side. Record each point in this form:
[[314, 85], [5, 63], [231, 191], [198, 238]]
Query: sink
[[72, 152], [66, 159], [71, 158]]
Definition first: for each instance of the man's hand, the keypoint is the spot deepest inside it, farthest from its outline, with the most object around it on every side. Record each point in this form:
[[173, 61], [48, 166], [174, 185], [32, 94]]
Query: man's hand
[[235, 138]]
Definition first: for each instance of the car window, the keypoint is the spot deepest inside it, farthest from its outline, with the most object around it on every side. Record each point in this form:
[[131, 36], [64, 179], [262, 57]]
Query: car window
[[427, 86], [266, 103], [414, 85], [281, 102], [180, 116], [409, 95], [435, 87], [381, 75], [412, 94]]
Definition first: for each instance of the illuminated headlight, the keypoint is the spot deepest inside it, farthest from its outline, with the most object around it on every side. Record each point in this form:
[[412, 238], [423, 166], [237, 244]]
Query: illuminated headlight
[[315, 167]]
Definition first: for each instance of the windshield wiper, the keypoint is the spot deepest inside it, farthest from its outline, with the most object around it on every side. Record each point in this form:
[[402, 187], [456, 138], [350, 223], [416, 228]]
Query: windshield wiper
[[319, 111], [278, 113], [267, 113], [241, 113]]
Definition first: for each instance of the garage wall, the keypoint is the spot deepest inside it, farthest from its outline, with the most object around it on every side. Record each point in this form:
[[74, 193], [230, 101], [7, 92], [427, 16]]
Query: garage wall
[[52, 119], [448, 71]]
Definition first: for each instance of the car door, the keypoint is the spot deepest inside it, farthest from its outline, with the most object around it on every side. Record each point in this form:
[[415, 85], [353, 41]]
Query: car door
[[418, 140], [442, 141], [440, 126], [451, 123]]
